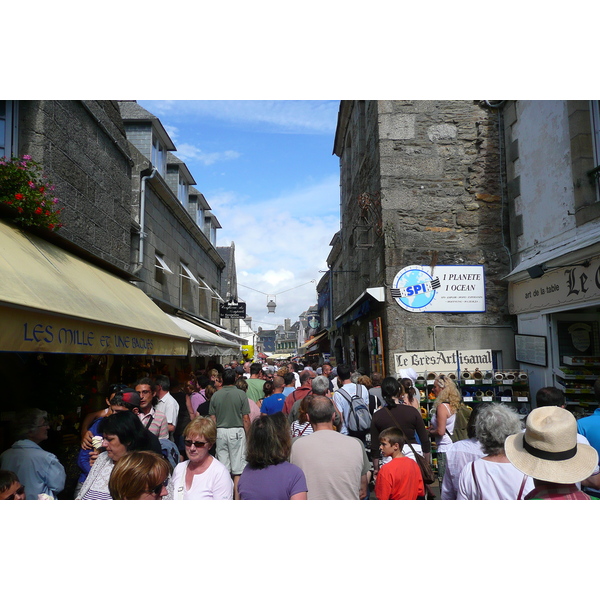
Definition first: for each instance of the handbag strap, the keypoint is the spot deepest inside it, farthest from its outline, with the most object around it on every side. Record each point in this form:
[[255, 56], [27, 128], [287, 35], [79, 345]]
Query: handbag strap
[[402, 430], [522, 487], [475, 480]]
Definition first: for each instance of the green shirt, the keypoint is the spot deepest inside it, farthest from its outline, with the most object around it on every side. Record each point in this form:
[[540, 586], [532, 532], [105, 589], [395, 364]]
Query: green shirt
[[229, 405], [255, 389]]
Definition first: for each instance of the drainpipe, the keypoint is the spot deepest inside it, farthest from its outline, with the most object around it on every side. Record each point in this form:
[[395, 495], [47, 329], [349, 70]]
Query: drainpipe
[[140, 263]]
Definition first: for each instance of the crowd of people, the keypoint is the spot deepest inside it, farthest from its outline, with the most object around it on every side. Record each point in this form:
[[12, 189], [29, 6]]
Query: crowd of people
[[292, 432]]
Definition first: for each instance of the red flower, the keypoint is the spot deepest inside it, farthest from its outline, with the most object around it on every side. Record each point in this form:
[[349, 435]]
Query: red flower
[[18, 196], [20, 209], [42, 188], [47, 213], [38, 211]]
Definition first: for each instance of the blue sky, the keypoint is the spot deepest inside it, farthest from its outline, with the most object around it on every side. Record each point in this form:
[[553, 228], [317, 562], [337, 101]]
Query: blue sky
[[267, 170]]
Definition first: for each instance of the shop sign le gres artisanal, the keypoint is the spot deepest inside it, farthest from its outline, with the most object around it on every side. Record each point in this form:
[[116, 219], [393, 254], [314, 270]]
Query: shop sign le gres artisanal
[[441, 360]]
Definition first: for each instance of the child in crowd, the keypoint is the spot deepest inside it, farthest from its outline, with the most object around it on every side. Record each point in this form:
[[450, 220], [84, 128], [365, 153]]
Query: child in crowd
[[400, 478]]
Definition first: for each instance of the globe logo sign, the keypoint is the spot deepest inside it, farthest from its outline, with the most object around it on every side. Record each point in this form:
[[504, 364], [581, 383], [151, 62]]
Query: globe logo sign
[[414, 288]]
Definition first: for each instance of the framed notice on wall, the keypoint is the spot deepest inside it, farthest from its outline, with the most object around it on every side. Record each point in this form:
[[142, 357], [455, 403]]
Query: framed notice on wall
[[531, 349]]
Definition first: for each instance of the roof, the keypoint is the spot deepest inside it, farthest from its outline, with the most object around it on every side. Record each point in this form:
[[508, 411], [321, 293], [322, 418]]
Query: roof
[[131, 111], [173, 160]]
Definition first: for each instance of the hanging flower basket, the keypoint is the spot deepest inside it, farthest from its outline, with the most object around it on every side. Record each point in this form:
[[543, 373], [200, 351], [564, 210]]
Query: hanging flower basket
[[28, 193]]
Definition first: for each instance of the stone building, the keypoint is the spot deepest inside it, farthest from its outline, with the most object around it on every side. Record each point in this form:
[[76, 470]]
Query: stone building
[[421, 185], [553, 165], [174, 246], [70, 316]]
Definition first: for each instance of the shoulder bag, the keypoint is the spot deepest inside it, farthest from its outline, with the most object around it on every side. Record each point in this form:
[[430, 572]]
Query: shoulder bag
[[426, 470]]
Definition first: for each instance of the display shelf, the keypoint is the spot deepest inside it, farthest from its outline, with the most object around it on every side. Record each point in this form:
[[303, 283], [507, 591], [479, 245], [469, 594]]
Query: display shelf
[[575, 389], [584, 361], [576, 380], [576, 374]]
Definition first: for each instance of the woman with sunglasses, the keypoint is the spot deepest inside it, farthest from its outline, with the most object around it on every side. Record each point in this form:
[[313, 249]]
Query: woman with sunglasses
[[10, 486], [202, 477], [140, 475]]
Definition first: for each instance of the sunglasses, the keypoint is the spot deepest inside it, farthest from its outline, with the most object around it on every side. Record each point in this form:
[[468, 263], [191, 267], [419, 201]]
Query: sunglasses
[[158, 489], [20, 491], [189, 444]]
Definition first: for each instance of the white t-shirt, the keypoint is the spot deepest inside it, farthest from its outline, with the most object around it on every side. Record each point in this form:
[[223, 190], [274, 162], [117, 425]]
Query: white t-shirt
[[495, 481], [168, 405], [214, 484]]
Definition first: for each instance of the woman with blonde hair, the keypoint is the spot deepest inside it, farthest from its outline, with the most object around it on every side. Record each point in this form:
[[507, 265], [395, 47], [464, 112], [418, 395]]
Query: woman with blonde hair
[[202, 476], [445, 407], [140, 475]]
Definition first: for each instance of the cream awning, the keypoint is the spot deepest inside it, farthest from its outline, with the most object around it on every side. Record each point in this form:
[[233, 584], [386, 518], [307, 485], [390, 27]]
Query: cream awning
[[203, 342], [54, 301], [313, 340]]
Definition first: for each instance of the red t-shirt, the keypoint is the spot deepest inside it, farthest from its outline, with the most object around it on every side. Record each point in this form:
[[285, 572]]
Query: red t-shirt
[[399, 479]]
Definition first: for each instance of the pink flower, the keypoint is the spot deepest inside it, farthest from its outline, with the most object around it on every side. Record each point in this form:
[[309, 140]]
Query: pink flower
[[26, 157], [31, 184], [54, 200]]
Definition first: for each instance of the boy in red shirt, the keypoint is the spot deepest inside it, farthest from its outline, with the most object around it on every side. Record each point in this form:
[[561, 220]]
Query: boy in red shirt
[[400, 478]]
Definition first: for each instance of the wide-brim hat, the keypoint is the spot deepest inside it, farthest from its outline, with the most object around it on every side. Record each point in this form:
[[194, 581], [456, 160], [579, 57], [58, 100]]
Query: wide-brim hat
[[548, 449]]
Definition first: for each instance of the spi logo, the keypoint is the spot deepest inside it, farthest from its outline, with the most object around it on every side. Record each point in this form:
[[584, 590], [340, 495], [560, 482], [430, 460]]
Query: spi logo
[[414, 288]]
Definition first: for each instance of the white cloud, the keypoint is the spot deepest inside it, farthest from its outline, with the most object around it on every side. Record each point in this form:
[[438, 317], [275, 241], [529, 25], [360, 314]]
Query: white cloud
[[281, 244], [289, 116], [187, 152]]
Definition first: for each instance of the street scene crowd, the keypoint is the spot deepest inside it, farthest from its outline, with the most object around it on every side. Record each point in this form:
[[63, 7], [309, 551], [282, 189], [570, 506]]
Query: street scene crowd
[[290, 431]]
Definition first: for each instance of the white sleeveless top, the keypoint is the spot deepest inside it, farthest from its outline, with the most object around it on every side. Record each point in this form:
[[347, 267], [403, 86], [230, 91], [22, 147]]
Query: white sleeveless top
[[444, 442]]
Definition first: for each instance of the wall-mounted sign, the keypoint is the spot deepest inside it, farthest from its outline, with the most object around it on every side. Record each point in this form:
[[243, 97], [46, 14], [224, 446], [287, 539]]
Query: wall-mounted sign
[[559, 287], [440, 360], [232, 310], [444, 288], [531, 349]]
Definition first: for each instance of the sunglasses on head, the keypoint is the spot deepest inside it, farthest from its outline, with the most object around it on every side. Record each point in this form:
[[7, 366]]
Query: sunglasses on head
[[20, 492], [189, 443]]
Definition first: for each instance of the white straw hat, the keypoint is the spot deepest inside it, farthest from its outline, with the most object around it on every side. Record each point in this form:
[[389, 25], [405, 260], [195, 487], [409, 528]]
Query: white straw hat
[[548, 449]]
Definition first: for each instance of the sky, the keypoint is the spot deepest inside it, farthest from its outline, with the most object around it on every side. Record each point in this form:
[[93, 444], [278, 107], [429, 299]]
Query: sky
[[267, 170]]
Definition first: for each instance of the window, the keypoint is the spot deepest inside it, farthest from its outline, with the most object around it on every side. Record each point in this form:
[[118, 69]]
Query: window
[[160, 268], [595, 116], [186, 298], [158, 155], [200, 216], [8, 128], [182, 191]]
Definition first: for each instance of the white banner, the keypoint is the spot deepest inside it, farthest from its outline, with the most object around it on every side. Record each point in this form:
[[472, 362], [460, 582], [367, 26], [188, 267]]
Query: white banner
[[444, 359], [444, 288]]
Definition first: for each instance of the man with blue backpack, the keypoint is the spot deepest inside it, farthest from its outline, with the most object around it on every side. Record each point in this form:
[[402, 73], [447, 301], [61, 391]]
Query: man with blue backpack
[[352, 400]]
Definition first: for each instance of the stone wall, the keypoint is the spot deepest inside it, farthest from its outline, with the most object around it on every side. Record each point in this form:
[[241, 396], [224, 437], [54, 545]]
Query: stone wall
[[426, 179], [442, 200], [83, 151]]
